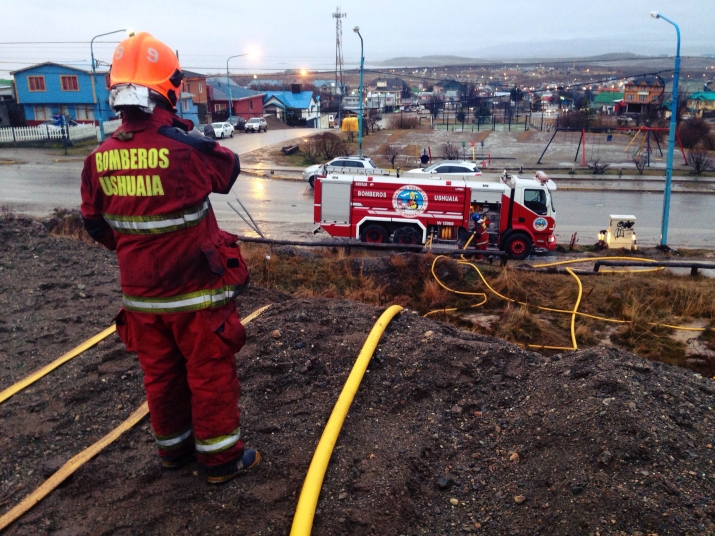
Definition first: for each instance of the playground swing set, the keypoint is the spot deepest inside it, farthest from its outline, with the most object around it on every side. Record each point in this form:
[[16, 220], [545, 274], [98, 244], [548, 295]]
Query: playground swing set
[[596, 142]]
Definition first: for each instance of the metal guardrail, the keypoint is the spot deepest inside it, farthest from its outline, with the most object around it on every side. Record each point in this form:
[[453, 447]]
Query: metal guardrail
[[694, 266]]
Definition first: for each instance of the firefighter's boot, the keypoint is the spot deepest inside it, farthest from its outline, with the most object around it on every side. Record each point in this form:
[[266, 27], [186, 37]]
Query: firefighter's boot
[[225, 472]]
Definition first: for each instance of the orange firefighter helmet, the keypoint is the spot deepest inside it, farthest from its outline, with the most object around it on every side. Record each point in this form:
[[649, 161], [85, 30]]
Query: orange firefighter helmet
[[145, 61]]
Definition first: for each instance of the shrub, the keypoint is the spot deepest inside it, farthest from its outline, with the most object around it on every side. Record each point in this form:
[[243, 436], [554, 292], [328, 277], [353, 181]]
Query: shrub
[[391, 153], [699, 159], [403, 122], [326, 145], [449, 151], [694, 131]]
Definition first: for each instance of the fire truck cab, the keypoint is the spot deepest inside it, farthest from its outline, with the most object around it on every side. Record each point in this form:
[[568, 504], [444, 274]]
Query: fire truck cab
[[386, 206]]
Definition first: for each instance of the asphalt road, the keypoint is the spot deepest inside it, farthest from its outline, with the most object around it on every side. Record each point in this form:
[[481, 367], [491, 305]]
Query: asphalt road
[[42, 184], [283, 209]]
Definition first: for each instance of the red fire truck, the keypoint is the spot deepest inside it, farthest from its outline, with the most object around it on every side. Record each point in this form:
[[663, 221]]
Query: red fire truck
[[409, 208]]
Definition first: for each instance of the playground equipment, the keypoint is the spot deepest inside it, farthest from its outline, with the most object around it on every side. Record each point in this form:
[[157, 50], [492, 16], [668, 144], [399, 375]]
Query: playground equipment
[[647, 134], [608, 132]]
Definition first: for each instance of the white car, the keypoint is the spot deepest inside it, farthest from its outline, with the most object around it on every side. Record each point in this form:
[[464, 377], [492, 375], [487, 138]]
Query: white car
[[457, 167], [223, 129], [357, 162], [256, 124]]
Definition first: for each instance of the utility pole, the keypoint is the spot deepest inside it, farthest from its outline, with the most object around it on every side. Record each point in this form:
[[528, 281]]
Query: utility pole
[[339, 85]]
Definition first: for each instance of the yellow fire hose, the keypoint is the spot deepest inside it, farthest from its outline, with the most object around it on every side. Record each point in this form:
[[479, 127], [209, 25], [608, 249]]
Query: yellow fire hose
[[573, 312], [305, 511], [83, 457], [32, 378]]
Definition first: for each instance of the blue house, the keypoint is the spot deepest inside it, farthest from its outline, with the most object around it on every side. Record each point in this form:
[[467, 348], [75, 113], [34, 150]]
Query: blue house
[[294, 107], [49, 89], [186, 109]]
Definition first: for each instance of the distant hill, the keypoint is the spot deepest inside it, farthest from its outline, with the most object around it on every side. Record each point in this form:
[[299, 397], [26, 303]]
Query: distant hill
[[429, 61]]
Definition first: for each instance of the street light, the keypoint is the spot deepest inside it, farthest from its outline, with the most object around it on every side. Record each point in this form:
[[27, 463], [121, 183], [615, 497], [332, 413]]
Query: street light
[[228, 83], [94, 81], [362, 64], [671, 134]]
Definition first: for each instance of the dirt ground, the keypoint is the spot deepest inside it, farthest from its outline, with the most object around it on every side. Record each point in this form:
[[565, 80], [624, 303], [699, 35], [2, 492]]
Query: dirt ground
[[450, 432]]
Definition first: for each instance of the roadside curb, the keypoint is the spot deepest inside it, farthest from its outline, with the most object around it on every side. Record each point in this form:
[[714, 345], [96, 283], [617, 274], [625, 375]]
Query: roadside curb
[[8, 162], [69, 159]]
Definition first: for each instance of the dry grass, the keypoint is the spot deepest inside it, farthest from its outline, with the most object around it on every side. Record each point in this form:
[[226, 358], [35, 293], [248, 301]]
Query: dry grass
[[406, 279]]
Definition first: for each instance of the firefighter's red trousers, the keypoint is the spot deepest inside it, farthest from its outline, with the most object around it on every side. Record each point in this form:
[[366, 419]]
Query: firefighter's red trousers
[[190, 379]]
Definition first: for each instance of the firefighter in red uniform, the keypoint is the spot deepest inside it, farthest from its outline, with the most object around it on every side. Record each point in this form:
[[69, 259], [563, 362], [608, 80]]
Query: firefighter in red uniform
[[145, 194], [481, 237]]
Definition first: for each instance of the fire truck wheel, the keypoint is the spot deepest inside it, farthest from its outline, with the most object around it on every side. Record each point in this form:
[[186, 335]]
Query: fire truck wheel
[[374, 234], [518, 246], [311, 181], [406, 235]]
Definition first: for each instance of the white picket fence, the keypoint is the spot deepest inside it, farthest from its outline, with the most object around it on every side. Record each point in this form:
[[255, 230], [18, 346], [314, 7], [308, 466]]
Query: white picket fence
[[111, 126], [41, 132]]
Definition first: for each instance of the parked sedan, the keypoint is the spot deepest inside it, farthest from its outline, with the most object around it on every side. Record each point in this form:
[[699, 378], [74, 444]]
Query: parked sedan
[[223, 129], [457, 167], [256, 124]]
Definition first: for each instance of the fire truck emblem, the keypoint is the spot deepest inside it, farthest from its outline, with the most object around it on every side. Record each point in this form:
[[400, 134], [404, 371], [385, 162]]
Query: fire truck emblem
[[540, 224], [410, 201]]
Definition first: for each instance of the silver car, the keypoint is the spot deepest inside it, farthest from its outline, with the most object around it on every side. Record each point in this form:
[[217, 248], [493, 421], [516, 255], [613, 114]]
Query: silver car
[[357, 162], [256, 124]]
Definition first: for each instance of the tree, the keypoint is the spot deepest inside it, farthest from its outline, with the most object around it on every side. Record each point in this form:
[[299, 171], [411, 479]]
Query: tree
[[391, 154], [373, 116], [461, 115], [449, 151], [435, 103], [482, 109]]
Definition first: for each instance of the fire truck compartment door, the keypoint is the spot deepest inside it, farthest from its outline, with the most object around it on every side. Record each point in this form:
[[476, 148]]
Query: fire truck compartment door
[[335, 202], [485, 196]]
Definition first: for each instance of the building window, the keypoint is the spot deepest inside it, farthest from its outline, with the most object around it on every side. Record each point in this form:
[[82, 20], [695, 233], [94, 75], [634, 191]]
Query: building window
[[36, 83], [219, 107], [250, 105], [85, 112], [201, 88], [643, 98], [69, 83], [186, 105], [43, 113], [65, 110], [188, 88], [629, 97]]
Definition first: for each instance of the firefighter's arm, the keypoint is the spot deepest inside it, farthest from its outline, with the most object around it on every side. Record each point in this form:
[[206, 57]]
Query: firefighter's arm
[[92, 218], [216, 165], [221, 167]]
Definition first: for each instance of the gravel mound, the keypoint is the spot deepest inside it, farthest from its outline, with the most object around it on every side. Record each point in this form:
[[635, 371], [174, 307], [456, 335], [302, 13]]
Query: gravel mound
[[449, 433]]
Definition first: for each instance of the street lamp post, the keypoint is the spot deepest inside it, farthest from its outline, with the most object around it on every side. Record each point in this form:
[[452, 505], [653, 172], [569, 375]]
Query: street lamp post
[[228, 83], [97, 102], [362, 64], [671, 134]]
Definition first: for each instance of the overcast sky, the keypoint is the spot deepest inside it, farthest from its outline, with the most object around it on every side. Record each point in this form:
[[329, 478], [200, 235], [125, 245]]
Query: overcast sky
[[288, 34]]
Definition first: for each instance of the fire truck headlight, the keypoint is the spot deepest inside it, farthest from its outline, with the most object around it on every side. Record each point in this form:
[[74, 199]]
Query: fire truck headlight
[[552, 238]]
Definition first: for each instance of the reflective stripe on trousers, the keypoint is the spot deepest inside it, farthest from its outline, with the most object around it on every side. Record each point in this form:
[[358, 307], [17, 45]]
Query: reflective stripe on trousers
[[173, 441], [218, 444], [165, 223], [193, 301]]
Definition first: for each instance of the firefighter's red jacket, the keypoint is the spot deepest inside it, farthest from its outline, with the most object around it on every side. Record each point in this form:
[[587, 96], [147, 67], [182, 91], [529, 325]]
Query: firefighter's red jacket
[[145, 193]]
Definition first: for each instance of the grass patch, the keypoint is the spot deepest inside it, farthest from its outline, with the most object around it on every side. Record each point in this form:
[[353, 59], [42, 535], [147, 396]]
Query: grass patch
[[381, 279]]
